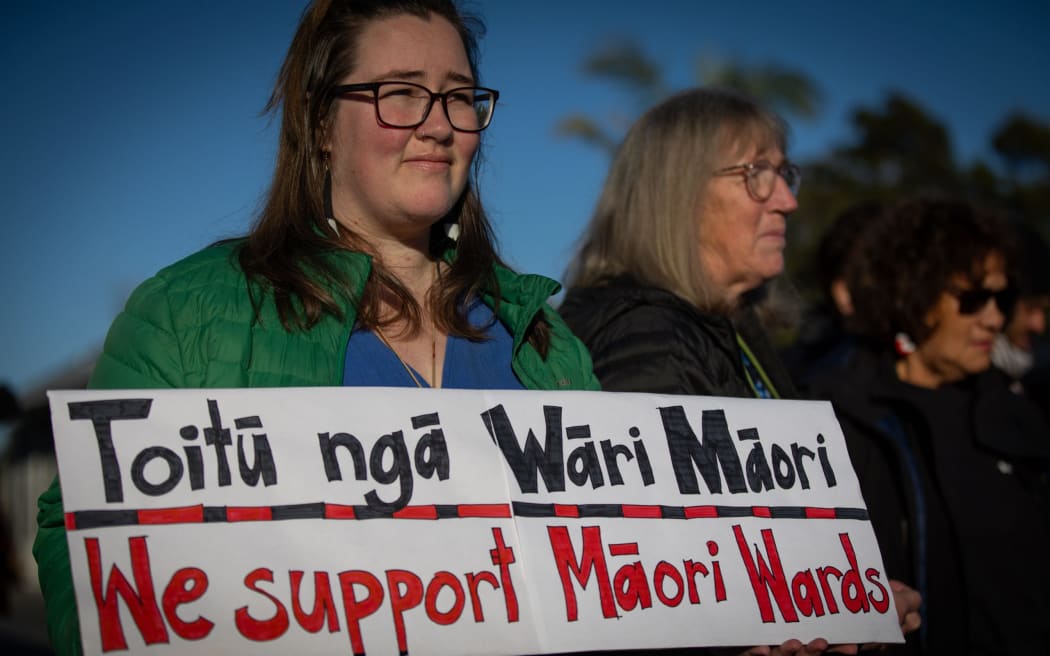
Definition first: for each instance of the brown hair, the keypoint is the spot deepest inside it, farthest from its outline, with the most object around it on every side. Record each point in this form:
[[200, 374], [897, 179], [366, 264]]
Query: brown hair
[[644, 224], [285, 251]]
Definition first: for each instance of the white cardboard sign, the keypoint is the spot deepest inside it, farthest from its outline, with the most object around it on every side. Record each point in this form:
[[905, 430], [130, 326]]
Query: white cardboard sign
[[385, 521]]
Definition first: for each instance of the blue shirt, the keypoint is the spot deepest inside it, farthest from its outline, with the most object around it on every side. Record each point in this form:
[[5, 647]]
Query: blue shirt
[[467, 364]]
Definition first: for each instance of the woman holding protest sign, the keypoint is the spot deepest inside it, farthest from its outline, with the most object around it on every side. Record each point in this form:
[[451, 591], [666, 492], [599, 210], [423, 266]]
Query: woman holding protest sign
[[372, 263], [953, 466], [676, 266]]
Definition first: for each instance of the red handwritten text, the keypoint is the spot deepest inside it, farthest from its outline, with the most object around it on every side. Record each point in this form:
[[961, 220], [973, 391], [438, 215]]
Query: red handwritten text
[[630, 586], [809, 592]]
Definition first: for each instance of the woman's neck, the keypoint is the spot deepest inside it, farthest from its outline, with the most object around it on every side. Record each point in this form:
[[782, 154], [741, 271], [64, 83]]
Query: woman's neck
[[413, 267], [914, 370], [406, 257]]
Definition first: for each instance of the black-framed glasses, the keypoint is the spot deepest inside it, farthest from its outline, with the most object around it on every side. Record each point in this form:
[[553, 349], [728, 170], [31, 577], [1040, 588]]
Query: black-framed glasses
[[972, 301], [407, 105], [761, 177]]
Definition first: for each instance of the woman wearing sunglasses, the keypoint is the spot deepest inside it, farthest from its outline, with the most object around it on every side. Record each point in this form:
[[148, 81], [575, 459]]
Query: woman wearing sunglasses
[[372, 262], [953, 467]]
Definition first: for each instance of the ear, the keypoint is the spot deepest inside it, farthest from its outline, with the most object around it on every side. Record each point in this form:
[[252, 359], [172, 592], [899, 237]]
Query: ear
[[936, 314], [841, 297]]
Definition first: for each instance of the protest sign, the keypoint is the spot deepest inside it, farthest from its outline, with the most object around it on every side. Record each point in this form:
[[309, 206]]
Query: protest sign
[[384, 521]]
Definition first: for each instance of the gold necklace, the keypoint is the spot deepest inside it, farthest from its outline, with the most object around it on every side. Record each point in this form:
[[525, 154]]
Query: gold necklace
[[408, 369], [433, 348]]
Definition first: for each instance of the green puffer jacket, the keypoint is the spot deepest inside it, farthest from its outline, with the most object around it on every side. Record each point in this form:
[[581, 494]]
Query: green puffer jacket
[[191, 326]]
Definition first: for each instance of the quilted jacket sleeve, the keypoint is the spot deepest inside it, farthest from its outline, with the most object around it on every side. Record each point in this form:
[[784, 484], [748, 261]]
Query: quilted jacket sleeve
[[651, 349], [574, 369], [141, 351]]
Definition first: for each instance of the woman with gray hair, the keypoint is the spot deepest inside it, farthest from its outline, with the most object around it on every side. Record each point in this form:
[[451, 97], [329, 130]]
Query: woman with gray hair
[[688, 231], [687, 235]]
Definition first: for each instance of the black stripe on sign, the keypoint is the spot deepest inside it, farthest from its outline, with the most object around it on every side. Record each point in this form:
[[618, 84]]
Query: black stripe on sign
[[298, 511], [601, 510], [103, 518]]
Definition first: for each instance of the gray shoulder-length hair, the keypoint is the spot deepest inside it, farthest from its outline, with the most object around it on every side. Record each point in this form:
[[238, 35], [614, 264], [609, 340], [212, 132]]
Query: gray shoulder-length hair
[[645, 223]]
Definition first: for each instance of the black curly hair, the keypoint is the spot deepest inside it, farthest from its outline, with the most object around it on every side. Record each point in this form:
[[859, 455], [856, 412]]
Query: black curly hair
[[908, 257]]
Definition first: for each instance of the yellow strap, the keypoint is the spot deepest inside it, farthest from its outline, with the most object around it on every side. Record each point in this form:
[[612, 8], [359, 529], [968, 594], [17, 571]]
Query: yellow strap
[[758, 367]]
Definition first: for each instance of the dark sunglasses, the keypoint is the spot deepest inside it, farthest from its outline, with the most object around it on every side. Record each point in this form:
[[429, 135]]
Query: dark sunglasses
[[972, 301]]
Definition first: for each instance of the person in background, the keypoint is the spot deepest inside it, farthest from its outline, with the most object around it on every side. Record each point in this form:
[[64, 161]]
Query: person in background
[[951, 464], [10, 409], [1014, 351], [824, 339], [674, 269], [372, 262]]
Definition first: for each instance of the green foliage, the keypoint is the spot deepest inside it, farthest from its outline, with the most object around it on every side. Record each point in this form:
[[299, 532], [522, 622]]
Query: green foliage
[[784, 90], [625, 65], [625, 62], [587, 130], [898, 149], [899, 145], [1022, 140]]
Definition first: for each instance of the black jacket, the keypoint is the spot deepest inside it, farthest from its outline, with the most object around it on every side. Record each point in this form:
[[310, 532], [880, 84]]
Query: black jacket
[[644, 339], [955, 481]]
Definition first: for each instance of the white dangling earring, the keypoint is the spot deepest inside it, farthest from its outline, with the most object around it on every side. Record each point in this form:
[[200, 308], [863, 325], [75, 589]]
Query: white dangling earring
[[452, 230], [903, 344]]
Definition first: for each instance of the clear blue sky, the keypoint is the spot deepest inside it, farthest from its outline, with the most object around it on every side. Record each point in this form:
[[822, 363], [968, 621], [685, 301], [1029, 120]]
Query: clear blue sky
[[131, 133]]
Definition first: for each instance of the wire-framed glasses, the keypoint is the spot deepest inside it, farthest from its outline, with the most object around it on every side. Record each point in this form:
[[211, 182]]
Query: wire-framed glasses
[[761, 177], [407, 105]]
